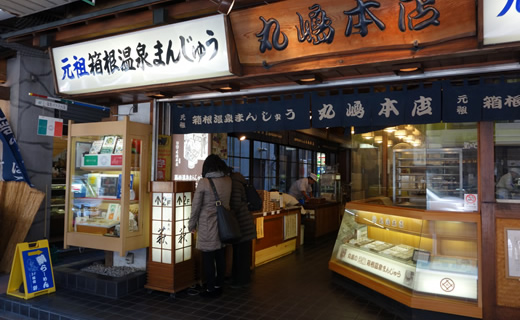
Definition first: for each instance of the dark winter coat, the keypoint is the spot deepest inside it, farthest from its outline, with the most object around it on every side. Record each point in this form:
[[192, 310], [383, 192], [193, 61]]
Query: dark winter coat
[[239, 205], [204, 211]]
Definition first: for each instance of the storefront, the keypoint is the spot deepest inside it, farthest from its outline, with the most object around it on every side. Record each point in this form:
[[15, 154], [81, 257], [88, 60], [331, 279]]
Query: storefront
[[424, 151]]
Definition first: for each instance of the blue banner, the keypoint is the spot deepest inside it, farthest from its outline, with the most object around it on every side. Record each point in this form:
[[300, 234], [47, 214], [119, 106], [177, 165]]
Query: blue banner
[[13, 167], [500, 101], [461, 103], [388, 108], [288, 114], [423, 105], [327, 110], [439, 102]]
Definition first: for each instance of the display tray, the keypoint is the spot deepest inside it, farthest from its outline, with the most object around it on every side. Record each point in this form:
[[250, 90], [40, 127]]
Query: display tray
[[97, 226]]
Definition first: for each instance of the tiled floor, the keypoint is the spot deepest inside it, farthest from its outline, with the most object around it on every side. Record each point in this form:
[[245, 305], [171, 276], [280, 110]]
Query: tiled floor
[[298, 286]]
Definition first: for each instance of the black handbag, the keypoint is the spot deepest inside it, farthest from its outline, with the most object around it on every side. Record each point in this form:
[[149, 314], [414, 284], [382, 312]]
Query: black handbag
[[228, 227]]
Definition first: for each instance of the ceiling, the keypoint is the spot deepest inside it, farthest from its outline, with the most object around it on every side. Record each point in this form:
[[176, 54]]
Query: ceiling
[[33, 21], [22, 8]]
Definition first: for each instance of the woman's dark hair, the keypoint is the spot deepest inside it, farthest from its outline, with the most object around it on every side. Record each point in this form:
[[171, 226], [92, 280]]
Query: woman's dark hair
[[213, 163]]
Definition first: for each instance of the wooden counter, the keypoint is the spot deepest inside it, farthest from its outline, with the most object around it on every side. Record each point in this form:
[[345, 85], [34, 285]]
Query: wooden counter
[[321, 219], [278, 234]]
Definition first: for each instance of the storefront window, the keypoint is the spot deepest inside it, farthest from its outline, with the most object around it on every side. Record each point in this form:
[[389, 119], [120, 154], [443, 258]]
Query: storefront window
[[288, 167], [431, 166], [264, 165], [507, 161], [238, 156]]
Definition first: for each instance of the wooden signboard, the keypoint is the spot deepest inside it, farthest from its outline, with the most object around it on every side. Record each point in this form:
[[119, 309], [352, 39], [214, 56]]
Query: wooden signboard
[[289, 30], [32, 267]]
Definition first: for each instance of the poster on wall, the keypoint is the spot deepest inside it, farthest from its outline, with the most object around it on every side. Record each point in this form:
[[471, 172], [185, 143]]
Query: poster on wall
[[189, 153]]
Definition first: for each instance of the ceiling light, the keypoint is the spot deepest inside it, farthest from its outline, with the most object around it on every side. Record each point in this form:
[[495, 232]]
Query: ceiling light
[[226, 87], [408, 69], [378, 139], [307, 79], [400, 133], [242, 138], [390, 129], [368, 135], [156, 95]]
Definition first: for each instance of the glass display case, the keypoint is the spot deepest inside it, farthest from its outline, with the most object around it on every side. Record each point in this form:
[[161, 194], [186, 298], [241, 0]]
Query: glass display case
[[107, 198], [423, 256]]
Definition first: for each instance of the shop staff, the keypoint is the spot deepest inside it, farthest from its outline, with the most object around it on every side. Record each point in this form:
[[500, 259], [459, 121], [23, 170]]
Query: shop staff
[[506, 184], [301, 189]]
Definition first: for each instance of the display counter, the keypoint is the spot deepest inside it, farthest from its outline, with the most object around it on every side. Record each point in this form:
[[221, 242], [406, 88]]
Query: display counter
[[321, 219], [278, 234], [424, 259]]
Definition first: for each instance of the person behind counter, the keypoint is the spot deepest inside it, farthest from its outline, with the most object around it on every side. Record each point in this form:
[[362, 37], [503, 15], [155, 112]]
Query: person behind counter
[[506, 184], [204, 220], [301, 189]]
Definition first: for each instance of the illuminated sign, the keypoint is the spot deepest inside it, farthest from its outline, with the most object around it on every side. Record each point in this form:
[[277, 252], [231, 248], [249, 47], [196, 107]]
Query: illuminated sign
[[501, 21], [195, 49]]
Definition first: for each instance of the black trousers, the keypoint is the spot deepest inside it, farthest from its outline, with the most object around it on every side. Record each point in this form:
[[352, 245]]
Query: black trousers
[[214, 261], [241, 263]]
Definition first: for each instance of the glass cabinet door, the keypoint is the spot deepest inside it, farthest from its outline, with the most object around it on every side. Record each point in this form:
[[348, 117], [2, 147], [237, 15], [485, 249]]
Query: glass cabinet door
[[97, 186]]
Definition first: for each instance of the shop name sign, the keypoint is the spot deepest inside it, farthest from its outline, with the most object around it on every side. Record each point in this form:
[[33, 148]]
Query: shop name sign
[[388, 269], [501, 21], [287, 30], [270, 115], [195, 49]]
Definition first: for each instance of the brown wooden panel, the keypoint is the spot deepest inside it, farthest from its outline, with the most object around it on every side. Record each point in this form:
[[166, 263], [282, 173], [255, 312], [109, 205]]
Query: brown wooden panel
[[457, 20], [273, 233], [507, 288], [160, 276]]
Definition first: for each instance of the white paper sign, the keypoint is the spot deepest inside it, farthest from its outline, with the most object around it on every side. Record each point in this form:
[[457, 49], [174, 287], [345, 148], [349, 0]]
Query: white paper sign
[[50, 104], [501, 21], [194, 49]]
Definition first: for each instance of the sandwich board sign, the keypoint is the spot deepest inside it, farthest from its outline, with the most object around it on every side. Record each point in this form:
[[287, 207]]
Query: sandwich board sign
[[32, 267]]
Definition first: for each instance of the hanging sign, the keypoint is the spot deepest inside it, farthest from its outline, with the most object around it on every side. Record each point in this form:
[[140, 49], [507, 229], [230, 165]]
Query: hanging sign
[[195, 49], [31, 267], [48, 126], [501, 21], [50, 104], [290, 114], [289, 30]]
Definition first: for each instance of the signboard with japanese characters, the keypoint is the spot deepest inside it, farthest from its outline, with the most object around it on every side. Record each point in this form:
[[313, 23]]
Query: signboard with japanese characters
[[501, 21], [291, 114], [288, 30], [196, 49], [31, 267]]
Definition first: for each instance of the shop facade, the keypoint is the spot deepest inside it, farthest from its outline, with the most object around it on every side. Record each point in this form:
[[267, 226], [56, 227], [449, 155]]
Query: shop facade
[[430, 195]]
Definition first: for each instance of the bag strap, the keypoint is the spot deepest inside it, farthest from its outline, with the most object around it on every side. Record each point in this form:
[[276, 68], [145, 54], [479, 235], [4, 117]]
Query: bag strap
[[217, 198]]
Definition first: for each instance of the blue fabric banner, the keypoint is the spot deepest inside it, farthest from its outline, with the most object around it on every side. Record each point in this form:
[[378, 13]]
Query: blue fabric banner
[[291, 114], [442, 101], [461, 103], [358, 110], [500, 101], [13, 167], [388, 108], [327, 110], [423, 105]]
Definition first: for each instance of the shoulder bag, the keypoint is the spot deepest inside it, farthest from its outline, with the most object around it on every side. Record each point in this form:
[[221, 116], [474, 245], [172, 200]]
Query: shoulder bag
[[228, 227]]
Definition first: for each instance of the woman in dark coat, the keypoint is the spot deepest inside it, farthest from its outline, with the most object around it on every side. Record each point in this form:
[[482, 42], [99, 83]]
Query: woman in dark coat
[[242, 250], [204, 220]]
